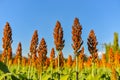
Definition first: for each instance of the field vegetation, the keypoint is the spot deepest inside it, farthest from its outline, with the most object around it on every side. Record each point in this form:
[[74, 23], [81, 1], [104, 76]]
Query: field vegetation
[[39, 66]]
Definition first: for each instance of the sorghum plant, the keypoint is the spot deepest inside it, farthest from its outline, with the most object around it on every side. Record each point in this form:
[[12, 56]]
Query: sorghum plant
[[7, 41], [92, 47], [58, 41], [77, 41]]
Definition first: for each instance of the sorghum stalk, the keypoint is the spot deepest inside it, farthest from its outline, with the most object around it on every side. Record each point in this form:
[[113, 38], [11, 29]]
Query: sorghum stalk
[[77, 41], [18, 56], [29, 69], [33, 50], [77, 67], [52, 57], [7, 41], [59, 42], [42, 52], [92, 47]]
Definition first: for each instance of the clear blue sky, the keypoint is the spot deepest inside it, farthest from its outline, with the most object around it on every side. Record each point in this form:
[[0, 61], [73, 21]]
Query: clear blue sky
[[25, 16]]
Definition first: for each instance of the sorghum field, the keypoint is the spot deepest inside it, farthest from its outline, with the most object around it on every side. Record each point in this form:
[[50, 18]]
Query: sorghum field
[[39, 66]]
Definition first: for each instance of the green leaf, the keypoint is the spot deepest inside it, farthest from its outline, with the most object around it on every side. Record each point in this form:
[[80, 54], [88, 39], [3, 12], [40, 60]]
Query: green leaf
[[4, 68], [8, 74]]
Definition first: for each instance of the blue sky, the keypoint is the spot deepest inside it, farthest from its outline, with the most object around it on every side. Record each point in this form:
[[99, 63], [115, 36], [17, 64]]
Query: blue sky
[[25, 16]]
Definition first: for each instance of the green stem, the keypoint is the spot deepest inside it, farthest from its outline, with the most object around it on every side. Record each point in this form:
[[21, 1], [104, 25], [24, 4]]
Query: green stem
[[6, 58], [58, 65], [6, 61], [76, 67], [93, 67], [51, 70], [29, 70], [40, 75], [18, 65]]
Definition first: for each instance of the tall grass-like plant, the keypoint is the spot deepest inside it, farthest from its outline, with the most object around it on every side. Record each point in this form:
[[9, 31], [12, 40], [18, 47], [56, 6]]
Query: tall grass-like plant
[[92, 47], [42, 52], [33, 45], [18, 56], [52, 61], [77, 41], [7, 42], [33, 50], [59, 42]]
